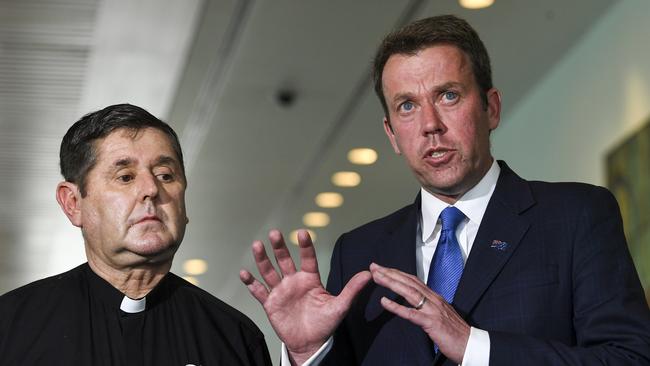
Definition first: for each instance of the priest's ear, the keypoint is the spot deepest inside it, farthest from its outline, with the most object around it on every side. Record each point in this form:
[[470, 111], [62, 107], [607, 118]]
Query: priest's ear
[[69, 198]]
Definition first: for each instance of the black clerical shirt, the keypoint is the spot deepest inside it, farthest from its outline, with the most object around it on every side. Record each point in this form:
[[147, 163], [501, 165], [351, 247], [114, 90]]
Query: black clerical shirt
[[75, 318]]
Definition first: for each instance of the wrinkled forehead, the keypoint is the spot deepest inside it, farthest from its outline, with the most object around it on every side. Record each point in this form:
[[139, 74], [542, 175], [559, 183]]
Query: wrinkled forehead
[[147, 144]]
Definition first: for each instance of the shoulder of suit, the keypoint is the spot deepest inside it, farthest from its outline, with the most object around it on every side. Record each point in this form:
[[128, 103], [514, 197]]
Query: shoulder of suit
[[568, 190], [380, 225]]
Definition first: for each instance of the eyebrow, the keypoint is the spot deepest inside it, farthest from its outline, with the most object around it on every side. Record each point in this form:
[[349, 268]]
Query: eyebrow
[[448, 85], [161, 160], [402, 96], [123, 162], [165, 160], [437, 89]]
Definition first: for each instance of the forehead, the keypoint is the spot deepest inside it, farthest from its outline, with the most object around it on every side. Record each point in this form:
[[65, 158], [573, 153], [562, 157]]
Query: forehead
[[144, 144], [439, 63]]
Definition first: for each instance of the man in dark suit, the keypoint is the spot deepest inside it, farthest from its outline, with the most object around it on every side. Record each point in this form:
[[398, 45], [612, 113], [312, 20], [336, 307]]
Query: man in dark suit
[[484, 267]]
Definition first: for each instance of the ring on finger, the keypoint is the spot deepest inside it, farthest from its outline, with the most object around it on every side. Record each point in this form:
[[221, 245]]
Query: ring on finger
[[421, 303]]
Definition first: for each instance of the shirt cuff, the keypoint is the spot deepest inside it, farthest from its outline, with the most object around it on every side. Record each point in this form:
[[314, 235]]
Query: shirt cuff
[[314, 360], [477, 352]]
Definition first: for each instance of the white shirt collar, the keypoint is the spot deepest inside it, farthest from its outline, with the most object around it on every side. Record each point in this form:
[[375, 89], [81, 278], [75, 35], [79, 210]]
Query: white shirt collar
[[133, 306], [473, 203]]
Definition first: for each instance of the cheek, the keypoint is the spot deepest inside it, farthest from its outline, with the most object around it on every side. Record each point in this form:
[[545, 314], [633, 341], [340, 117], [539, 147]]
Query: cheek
[[177, 208], [113, 211]]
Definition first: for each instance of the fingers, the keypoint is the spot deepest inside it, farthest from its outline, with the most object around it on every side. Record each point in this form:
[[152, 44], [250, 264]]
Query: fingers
[[264, 265], [281, 252], [407, 286], [352, 288], [259, 291], [308, 261], [410, 314], [398, 275]]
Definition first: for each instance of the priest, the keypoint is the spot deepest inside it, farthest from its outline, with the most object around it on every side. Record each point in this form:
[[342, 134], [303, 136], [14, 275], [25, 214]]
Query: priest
[[124, 187]]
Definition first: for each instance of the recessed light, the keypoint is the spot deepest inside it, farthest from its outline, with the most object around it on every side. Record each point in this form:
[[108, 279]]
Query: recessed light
[[346, 179], [475, 4], [293, 236], [195, 267], [329, 199], [362, 156], [316, 219]]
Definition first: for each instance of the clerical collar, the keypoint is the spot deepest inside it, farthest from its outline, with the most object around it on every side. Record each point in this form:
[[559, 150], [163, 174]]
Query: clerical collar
[[472, 204], [133, 306], [114, 298]]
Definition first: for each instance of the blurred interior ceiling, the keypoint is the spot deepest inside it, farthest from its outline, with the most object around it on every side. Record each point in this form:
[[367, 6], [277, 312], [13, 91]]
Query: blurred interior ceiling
[[216, 70]]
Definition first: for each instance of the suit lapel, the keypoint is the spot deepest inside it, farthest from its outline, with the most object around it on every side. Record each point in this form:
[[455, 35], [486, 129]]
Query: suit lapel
[[499, 235], [395, 248]]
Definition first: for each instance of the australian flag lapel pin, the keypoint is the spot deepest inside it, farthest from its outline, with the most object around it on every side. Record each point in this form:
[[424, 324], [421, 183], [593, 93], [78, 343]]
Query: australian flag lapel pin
[[499, 245]]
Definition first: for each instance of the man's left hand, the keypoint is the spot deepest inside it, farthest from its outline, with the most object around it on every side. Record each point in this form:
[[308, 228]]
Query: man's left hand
[[436, 317]]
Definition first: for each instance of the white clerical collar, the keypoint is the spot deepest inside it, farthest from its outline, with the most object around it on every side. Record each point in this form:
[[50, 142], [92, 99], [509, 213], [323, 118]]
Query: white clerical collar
[[473, 203], [133, 306]]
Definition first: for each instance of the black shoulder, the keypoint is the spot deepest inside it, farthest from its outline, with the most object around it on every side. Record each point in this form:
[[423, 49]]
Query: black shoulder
[[46, 287], [223, 314], [28, 304]]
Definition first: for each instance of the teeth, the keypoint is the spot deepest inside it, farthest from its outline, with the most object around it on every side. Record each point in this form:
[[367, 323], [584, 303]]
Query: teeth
[[437, 154]]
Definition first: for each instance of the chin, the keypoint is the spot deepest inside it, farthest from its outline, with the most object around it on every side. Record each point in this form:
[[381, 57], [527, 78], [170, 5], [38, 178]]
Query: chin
[[154, 249]]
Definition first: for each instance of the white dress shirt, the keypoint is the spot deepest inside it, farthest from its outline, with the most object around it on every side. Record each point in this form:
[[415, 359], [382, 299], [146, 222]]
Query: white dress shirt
[[473, 205]]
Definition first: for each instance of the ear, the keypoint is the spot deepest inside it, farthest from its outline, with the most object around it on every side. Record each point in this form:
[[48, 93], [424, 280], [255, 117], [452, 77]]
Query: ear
[[494, 108], [391, 136], [69, 198]]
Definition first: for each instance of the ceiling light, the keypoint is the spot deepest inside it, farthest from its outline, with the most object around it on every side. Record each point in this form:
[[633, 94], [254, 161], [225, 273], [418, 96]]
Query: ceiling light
[[346, 179], [195, 267], [329, 199], [475, 4], [191, 280], [316, 219], [362, 156], [293, 236]]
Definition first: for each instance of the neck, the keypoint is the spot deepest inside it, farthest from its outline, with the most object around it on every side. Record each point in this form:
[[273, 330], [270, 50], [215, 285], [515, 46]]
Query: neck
[[451, 196], [134, 282]]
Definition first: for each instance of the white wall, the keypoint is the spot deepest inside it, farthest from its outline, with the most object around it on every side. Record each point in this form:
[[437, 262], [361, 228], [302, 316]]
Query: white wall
[[594, 97]]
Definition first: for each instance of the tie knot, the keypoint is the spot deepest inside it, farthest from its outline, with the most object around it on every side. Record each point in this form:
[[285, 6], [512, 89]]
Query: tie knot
[[451, 217]]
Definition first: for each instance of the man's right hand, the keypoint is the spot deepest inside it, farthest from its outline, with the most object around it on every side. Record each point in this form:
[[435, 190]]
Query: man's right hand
[[302, 313]]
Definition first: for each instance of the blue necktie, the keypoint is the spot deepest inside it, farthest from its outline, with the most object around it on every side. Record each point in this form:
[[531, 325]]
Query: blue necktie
[[447, 265]]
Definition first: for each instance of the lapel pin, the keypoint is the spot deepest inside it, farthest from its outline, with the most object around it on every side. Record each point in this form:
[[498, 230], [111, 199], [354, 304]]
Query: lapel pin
[[499, 245]]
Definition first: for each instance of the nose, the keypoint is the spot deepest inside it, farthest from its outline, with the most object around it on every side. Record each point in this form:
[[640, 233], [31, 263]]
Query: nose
[[431, 120], [147, 186]]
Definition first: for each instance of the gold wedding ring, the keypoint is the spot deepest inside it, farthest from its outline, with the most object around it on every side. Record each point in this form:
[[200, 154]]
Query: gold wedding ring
[[421, 303]]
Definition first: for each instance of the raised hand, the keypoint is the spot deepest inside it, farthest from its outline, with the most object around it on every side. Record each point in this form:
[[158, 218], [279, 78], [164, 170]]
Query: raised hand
[[302, 313], [430, 311]]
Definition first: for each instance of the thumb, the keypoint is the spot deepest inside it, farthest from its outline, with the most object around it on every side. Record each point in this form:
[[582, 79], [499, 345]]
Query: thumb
[[351, 289]]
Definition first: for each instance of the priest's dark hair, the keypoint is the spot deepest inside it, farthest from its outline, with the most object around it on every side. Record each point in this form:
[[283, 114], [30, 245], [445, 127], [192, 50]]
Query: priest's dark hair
[[78, 155], [428, 32]]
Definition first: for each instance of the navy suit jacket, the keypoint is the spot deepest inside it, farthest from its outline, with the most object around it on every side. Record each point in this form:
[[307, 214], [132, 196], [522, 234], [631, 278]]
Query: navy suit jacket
[[549, 277]]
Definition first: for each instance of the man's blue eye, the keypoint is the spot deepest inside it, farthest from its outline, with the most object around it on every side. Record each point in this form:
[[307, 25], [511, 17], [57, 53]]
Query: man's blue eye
[[450, 95], [407, 106]]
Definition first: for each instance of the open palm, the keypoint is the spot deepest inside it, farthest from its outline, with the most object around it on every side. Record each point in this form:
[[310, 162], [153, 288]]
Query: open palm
[[302, 313]]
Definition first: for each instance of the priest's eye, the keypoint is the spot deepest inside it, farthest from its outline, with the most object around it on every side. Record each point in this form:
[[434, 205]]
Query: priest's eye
[[165, 177], [125, 178]]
